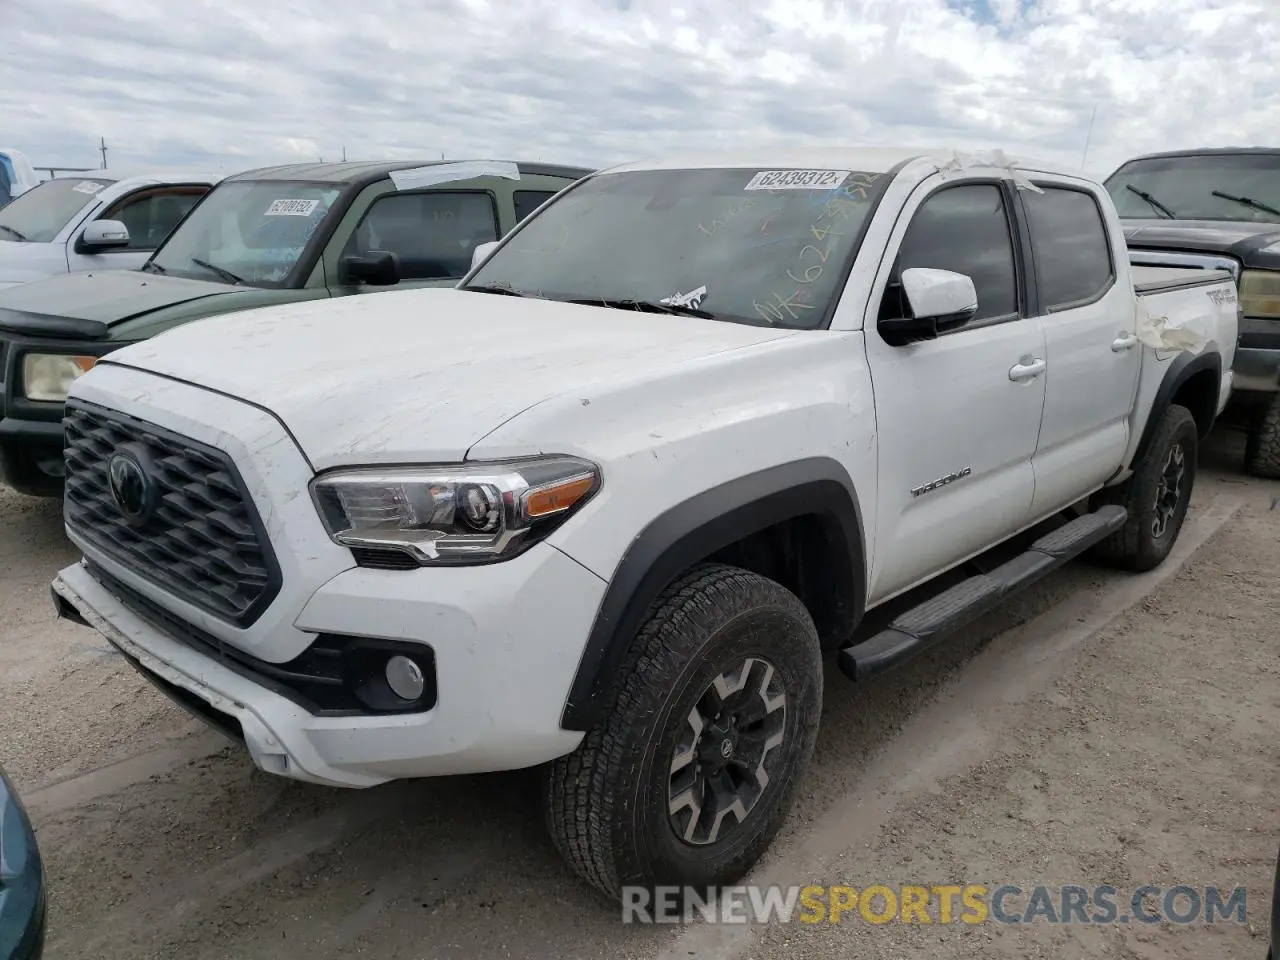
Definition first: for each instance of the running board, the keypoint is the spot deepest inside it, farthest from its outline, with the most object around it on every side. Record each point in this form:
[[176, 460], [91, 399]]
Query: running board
[[921, 627]]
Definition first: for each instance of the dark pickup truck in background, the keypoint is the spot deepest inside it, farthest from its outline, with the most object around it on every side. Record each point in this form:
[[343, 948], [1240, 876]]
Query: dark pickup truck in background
[[1219, 209]]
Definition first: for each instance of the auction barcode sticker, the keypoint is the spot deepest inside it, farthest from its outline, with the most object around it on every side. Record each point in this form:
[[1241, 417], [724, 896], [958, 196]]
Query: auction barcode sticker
[[291, 208], [87, 186], [797, 180]]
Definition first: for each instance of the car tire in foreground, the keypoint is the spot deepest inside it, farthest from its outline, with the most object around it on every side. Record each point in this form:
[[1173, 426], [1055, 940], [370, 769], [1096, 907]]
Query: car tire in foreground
[[1156, 496], [707, 727]]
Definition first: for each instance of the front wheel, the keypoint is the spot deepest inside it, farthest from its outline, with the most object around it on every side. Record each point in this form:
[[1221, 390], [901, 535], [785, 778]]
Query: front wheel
[[1156, 496], [709, 724]]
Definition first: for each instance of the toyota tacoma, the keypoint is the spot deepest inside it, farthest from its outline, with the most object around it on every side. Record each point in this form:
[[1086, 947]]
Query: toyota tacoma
[[603, 508]]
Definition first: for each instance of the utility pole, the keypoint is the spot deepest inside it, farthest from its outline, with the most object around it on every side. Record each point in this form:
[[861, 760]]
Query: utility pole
[[344, 154], [102, 145], [1088, 137]]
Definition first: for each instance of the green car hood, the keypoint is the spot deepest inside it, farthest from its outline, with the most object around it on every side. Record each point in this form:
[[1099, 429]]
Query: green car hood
[[107, 297]]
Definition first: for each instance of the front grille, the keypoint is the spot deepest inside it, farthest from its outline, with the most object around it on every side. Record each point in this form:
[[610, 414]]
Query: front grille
[[203, 542]]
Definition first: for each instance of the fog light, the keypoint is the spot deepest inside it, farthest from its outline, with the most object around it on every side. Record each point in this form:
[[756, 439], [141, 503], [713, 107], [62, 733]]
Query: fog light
[[404, 677]]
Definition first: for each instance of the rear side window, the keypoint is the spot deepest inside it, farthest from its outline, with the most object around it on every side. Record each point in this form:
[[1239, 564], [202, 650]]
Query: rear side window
[[1069, 242], [433, 234], [527, 201]]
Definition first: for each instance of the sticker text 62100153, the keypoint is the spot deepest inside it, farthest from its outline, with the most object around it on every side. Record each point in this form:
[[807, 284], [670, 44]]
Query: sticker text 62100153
[[813, 258]]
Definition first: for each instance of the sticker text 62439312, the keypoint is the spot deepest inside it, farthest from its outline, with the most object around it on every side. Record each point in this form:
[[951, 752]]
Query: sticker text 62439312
[[291, 208], [796, 180]]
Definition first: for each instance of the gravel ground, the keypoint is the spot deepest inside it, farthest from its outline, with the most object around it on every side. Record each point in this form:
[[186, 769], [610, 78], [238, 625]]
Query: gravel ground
[[1100, 729]]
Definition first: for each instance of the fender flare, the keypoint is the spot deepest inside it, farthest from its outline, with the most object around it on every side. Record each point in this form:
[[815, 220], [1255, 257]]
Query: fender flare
[[1181, 369], [699, 527]]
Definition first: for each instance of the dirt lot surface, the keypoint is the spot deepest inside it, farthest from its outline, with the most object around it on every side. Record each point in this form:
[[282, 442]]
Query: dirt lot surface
[[1102, 729]]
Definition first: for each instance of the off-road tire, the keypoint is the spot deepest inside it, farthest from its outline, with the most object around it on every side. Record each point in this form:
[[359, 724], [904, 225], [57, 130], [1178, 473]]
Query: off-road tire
[[607, 803], [1136, 546], [1262, 447]]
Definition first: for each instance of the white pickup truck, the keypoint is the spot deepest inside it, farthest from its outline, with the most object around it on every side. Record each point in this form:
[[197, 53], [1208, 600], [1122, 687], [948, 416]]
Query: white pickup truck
[[604, 507], [99, 220]]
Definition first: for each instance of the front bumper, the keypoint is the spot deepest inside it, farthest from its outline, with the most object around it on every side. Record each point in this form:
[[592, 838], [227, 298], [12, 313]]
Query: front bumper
[[507, 638], [31, 456], [1257, 369]]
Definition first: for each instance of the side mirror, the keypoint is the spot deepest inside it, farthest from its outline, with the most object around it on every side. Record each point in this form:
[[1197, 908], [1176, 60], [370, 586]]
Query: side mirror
[[481, 253], [103, 235], [937, 300], [377, 268]]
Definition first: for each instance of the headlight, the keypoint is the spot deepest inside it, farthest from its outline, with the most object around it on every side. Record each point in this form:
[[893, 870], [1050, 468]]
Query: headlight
[[1260, 293], [48, 376], [469, 513]]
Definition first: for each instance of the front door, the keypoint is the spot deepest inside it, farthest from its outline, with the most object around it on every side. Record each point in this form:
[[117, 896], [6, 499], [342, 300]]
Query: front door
[[1093, 356], [958, 417], [432, 233], [150, 215]]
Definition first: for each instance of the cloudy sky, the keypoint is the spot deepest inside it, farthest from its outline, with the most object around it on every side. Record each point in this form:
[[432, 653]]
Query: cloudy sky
[[235, 83]]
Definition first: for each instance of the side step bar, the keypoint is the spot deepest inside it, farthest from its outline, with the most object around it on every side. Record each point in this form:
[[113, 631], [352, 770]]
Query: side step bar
[[921, 627]]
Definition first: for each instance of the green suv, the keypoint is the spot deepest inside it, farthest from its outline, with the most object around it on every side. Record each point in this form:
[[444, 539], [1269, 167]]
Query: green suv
[[267, 236]]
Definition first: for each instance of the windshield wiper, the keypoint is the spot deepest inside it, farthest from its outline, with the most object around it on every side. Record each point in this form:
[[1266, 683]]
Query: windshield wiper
[[1155, 204], [13, 233], [152, 267], [494, 288], [647, 306], [1247, 201], [222, 272]]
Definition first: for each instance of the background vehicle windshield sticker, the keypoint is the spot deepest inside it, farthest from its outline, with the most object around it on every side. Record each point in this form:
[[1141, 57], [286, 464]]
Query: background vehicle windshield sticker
[[291, 208], [690, 299], [797, 180], [87, 186]]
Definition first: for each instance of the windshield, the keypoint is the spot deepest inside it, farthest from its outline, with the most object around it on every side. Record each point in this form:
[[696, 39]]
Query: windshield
[[746, 245], [1233, 186], [247, 231], [40, 214]]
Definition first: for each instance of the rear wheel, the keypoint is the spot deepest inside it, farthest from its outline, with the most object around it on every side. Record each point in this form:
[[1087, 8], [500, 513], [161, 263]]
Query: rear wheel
[[709, 724], [1262, 448], [1156, 496]]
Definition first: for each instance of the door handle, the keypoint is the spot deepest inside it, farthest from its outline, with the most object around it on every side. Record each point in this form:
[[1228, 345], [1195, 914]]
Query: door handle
[[1123, 342], [1027, 369]]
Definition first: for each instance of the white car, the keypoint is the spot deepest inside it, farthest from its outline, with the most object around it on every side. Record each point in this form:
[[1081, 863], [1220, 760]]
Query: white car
[[98, 220], [604, 507]]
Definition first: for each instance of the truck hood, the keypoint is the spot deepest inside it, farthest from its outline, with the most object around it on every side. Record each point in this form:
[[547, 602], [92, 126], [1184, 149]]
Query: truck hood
[[104, 297], [22, 262], [422, 374], [1255, 245]]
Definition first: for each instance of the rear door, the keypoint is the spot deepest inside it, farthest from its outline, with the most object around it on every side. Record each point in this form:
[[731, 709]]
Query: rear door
[[1091, 348], [958, 416]]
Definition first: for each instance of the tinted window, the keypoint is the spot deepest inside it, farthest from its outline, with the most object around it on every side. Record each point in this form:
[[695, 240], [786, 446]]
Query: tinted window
[[527, 201], [152, 215], [1191, 188], [966, 230], [1069, 242], [433, 234]]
